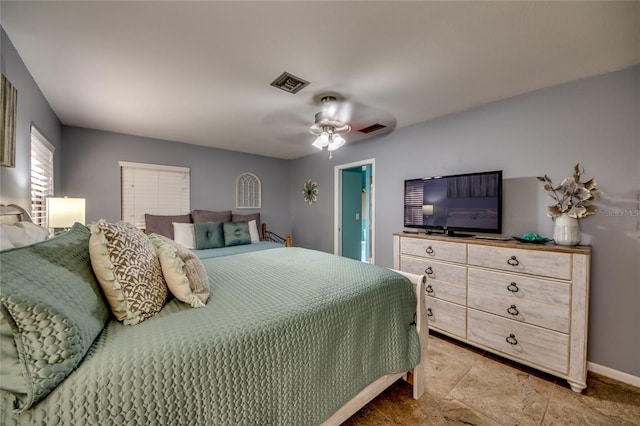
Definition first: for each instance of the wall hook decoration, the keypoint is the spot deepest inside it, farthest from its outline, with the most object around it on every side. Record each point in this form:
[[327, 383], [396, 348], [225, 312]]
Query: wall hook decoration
[[310, 192]]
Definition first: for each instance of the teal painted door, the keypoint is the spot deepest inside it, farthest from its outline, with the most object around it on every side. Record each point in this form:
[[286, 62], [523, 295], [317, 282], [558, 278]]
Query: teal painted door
[[352, 213]]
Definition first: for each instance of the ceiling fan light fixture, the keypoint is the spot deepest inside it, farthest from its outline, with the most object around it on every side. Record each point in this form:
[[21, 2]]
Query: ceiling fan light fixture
[[318, 143], [336, 143], [328, 126]]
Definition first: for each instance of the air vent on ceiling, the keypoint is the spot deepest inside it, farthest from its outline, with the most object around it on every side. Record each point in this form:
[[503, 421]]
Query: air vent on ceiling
[[289, 83], [372, 128]]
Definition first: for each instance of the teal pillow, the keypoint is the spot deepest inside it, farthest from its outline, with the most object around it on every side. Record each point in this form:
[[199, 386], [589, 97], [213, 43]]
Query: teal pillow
[[208, 235], [236, 233], [52, 310]]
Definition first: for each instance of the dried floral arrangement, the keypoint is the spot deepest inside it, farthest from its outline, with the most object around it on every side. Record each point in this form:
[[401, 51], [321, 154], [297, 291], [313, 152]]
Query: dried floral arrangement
[[572, 196]]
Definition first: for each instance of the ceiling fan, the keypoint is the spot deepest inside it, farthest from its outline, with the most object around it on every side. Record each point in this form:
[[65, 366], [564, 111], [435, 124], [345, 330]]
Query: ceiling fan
[[330, 124]]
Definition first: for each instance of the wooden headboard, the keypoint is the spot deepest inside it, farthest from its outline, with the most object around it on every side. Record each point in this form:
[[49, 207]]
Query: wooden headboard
[[12, 213]]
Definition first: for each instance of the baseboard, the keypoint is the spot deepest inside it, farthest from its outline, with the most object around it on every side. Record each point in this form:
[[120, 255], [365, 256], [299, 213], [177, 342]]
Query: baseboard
[[614, 374]]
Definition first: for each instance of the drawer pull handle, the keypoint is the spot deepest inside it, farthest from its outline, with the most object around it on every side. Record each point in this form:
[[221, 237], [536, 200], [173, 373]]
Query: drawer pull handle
[[511, 339], [429, 313], [513, 287], [513, 261], [429, 271], [429, 289], [513, 310], [429, 250]]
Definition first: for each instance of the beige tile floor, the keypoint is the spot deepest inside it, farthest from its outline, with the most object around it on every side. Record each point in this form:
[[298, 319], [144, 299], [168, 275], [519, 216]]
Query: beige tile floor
[[466, 386]]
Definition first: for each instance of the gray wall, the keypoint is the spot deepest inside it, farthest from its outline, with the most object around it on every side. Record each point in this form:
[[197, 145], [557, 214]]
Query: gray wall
[[592, 121], [90, 170], [15, 182]]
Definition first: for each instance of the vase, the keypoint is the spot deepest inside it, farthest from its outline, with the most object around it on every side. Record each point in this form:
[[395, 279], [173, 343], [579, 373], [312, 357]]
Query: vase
[[566, 230]]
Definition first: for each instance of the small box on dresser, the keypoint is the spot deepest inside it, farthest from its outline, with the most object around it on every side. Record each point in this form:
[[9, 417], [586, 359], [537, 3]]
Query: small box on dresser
[[526, 302]]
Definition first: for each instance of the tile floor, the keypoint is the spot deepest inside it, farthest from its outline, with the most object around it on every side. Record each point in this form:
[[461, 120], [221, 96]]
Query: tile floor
[[467, 386]]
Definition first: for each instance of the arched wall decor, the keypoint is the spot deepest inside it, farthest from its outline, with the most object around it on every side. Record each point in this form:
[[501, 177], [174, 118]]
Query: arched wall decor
[[248, 191]]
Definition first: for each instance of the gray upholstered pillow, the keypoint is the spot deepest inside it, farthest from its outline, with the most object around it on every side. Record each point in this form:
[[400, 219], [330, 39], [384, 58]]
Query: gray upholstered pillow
[[126, 265], [208, 235], [183, 271], [163, 225], [248, 217], [236, 233], [52, 311], [211, 216]]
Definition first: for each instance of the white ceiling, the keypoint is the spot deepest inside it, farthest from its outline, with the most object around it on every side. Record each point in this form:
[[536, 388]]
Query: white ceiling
[[200, 72]]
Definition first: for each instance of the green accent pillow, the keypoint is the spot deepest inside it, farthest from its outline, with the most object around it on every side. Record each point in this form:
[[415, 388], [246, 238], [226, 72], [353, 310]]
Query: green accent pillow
[[52, 310], [208, 235], [236, 233]]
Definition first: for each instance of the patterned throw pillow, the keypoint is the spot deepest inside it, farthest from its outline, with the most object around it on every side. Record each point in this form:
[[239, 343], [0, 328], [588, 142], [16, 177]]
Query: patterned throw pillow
[[184, 272], [236, 233], [128, 270]]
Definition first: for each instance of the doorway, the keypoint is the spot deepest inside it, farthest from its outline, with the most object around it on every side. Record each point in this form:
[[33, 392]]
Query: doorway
[[354, 210]]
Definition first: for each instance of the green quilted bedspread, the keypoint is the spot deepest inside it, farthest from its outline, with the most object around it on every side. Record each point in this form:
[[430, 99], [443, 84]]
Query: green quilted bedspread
[[287, 337]]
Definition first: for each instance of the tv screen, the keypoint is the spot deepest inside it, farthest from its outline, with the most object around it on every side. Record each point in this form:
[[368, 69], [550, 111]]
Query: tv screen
[[469, 202]]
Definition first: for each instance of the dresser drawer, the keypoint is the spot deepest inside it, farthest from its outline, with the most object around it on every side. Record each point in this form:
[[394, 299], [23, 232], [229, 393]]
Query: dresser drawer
[[445, 291], [434, 249], [535, 262], [447, 317], [433, 270], [519, 341], [520, 287], [547, 316]]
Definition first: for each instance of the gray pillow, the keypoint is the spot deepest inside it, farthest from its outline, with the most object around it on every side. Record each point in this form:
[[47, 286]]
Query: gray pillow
[[211, 216], [253, 216], [208, 235], [163, 225], [52, 311], [236, 233]]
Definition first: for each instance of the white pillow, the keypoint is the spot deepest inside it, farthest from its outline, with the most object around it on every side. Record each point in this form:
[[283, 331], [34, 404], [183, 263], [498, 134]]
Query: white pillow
[[183, 234], [253, 231], [21, 234]]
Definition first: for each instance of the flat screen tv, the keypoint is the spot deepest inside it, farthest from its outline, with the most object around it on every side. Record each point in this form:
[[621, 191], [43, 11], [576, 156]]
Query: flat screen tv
[[455, 204]]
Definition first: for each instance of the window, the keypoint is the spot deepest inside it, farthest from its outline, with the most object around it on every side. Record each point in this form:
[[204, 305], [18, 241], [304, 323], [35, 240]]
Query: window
[[248, 191], [154, 189], [41, 176]]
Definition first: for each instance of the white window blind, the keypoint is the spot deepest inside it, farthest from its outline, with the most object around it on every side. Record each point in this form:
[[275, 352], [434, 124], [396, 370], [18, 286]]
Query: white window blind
[[413, 195], [248, 191], [153, 189], [41, 176]]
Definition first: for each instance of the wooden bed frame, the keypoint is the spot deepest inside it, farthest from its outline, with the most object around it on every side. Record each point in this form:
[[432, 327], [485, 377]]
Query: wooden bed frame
[[12, 213], [272, 236]]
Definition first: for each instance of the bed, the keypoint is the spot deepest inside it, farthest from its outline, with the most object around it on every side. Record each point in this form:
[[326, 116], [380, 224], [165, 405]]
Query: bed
[[288, 336]]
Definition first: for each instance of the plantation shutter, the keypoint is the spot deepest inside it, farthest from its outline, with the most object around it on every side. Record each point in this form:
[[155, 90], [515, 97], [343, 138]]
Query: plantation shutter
[[41, 176], [154, 189]]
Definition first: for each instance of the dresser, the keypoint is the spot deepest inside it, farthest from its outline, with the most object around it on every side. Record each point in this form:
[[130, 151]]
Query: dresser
[[525, 302]]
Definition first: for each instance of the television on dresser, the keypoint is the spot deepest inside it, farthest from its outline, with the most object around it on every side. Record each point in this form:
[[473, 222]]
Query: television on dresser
[[455, 204]]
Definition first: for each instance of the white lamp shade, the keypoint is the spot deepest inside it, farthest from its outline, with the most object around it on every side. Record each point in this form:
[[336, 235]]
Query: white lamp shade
[[427, 209], [337, 142], [318, 143], [64, 212]]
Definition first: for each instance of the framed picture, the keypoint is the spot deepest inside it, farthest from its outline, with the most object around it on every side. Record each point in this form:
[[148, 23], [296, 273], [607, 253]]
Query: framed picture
[[8, 109]]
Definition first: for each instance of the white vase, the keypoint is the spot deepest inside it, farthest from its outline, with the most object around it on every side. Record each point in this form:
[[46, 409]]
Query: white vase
[[566, 230]]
